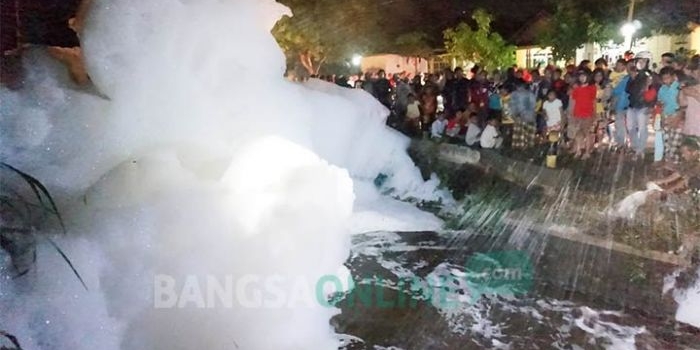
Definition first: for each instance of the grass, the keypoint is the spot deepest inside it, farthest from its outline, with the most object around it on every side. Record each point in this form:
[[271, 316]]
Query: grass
[[12, 237], [12, 340]]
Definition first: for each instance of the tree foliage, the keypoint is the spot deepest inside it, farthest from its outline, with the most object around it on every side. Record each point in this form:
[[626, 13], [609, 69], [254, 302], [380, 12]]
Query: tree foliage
[[570, 27], [415, 43], [328, 31], [479, 45], [576, 22]]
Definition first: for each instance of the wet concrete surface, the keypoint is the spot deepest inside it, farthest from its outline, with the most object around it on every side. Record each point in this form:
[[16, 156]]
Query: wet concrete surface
[[569, 281]]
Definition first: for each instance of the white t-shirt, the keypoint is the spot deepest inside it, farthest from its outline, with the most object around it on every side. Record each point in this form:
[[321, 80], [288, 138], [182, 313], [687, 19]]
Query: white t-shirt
[[553, 110], [473, 134], [490, 138], [438, 128], [412, 111]]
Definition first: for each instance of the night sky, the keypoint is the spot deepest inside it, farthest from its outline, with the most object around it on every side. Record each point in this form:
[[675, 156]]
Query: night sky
[[433, 16]]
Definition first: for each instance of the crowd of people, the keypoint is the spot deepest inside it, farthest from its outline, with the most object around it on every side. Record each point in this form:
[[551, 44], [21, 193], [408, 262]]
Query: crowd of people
[[594, 104], [581, 109]]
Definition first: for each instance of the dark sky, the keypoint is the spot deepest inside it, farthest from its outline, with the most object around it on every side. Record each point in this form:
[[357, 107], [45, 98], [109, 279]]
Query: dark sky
[[430, 16], [433, 16]]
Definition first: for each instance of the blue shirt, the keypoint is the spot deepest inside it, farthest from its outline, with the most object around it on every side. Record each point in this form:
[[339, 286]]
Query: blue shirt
[[668, 95], [495, 102], [522, 105], [621, 96]]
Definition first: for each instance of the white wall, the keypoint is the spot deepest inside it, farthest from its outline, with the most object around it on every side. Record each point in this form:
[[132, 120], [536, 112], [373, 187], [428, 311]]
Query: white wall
[[657, 45], [394, 64], [529, 57]]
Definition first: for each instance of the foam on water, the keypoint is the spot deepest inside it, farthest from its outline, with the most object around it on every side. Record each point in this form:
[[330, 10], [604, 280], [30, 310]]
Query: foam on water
[[492, 317], [688, 300], [203, 161]]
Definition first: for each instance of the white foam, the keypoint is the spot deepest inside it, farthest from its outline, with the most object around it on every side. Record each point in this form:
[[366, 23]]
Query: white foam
[[627, 207], [689, 304], [203, 161]]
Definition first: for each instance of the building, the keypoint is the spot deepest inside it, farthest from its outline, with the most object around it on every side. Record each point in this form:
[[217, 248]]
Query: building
[[393, 64], [530, 55]]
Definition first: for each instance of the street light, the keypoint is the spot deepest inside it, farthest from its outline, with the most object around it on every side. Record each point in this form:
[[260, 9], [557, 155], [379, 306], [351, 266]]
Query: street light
[[356, 60], [628, 29]]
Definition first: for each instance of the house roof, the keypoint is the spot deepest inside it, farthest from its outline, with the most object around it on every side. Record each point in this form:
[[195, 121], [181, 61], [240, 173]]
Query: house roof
[[528, 33]]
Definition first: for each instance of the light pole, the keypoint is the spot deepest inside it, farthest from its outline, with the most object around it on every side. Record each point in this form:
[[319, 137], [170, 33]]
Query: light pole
[[631, 26], [630, 11]]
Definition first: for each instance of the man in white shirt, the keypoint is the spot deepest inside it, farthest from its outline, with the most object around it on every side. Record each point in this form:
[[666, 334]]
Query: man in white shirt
[[473, 131], [491, 138]]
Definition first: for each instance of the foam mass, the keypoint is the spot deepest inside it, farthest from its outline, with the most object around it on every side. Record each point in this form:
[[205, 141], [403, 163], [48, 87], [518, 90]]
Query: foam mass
[[196, 158]]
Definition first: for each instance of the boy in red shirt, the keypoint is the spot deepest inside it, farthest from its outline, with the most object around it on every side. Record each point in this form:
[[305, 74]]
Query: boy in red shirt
[[582, 121]]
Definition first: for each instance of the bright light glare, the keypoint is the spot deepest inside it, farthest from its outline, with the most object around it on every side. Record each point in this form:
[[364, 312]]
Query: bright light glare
[[356, 60], [628, 29]]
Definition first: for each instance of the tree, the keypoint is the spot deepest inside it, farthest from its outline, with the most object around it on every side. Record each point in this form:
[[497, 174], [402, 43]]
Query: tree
[[328, 31], [570, 27], [481, 46], [413, 44]]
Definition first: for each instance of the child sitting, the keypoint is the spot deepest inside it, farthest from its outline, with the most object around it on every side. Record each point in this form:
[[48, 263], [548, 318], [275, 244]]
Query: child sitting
[[454, 125], [437, 129], [473, 131], [491, 138]]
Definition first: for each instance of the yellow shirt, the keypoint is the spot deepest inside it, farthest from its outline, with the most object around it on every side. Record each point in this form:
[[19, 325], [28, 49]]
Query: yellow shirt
[[616, 77], [599, 106]]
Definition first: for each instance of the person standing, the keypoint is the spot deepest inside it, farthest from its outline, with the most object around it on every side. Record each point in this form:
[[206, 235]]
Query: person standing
[[553, 110], [403, 89], [368, 83], [602, 64], [479, 94], [561, 87], [382, 89], [667, 59], [638, 112], [667, 125], [460, 91], [522, 109], [447, 91], [582, 121], [603, 92], [690, 99], [620, 101]]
